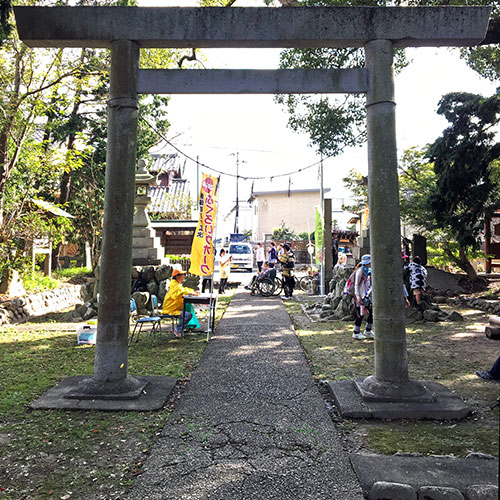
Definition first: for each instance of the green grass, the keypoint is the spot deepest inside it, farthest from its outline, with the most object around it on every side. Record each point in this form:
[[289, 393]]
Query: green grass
[[433, 438], [37, 282], [72, 272], [83, 454], [449, 353]]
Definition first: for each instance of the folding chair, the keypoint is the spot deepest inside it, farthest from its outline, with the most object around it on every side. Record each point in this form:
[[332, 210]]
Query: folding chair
[[139, 322], [157, 312]]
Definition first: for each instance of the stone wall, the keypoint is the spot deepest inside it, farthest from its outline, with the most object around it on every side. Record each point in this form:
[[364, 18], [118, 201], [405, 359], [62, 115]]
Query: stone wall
[[335, 305], [38, 304]]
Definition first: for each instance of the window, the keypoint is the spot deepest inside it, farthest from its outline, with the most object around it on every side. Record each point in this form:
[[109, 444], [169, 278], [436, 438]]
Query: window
[[239, 249]]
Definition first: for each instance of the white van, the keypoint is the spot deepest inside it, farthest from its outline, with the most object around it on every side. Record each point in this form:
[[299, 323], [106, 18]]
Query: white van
[[242, 255]]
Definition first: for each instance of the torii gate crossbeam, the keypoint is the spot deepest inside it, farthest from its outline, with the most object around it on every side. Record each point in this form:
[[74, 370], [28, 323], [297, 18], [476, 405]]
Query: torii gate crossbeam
[[378, 29]]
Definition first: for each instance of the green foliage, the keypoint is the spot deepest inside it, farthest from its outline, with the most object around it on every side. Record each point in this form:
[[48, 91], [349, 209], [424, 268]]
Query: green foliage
[[284, 233], [247, 234], [485, 60], [443, 252], [5, 26], [332, 123], [358, 186], [464, 191], [61, 95], [303, 236], [416, 181], [448, 197], [38, 282], [175, 257]]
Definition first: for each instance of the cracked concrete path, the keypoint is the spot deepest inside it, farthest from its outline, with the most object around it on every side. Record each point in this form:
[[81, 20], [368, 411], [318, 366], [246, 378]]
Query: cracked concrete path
[[251, 423]]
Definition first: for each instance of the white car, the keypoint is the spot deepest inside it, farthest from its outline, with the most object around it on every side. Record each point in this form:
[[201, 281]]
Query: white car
[[242, 255]]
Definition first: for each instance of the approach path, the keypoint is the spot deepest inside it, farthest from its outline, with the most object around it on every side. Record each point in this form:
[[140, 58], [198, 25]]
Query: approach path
[[251, 423]]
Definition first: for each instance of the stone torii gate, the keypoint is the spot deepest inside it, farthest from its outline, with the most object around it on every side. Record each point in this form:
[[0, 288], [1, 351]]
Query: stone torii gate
[[377, 29]]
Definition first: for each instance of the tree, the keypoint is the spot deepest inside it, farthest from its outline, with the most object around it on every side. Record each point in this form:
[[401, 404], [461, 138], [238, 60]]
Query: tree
[[5, 27], [358, 185], [465, 192], [284, 233], [53, 116], [449, 196]]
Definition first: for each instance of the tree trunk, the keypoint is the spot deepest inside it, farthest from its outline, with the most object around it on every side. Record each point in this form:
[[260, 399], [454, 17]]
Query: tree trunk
[[462, 262], [13, 103], [65, 184]]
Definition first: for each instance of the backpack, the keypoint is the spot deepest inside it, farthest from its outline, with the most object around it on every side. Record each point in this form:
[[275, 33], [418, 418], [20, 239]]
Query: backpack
[[349, 286]]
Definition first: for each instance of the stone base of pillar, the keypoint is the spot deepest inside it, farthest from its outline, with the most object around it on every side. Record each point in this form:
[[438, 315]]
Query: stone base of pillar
[[444, 404], [90, 388], [372, 389], [152, 398]]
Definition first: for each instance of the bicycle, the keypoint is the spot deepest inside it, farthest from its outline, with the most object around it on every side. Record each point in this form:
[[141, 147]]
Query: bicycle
[[309, 283]]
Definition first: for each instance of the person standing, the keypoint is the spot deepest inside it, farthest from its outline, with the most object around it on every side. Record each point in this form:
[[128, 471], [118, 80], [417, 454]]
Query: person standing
[[287, 260], [362, 299], [260, 256], [273, 254], [418, 280], [335, 249], [173, 303], [224, 266]]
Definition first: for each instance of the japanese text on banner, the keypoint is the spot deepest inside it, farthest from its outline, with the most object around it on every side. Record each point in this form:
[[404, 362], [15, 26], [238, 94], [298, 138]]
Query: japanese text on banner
[[202, 249]]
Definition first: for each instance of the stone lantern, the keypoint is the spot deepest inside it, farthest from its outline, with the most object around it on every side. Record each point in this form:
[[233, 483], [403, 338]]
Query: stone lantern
[[145, 245], [143, 181]]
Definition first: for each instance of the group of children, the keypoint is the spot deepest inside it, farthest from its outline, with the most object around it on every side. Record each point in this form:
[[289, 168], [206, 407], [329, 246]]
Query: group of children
[[417, 277]]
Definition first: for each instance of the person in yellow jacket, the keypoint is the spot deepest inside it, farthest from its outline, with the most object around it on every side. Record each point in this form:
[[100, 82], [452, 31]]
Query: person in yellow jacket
[[173, 302]]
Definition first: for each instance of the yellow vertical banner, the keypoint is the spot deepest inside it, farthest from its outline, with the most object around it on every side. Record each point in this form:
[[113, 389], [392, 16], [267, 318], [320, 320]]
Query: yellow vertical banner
[[202, 249]]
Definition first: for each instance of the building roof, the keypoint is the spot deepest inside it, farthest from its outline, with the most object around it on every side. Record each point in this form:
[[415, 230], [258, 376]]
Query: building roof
[[170, 162], [169, 199], [286, 191]]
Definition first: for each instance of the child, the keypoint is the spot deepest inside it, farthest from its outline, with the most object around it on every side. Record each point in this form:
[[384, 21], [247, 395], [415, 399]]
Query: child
[[418, 280], [362, 299]]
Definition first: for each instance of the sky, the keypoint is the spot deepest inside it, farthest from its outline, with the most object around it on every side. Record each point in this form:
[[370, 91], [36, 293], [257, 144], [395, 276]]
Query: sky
[[215, 128]]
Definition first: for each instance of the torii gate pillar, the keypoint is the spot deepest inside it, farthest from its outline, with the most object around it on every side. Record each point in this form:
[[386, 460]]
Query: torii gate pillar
[[110, 365], [390, 381]]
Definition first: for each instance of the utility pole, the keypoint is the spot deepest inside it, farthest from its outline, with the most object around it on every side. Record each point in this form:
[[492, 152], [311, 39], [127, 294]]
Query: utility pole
[[237, 207]]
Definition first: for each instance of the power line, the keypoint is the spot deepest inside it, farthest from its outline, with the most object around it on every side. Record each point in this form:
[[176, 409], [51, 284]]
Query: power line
[[220, 172]]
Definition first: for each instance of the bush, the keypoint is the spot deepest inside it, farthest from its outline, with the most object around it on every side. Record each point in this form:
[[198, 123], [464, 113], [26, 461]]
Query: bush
[[37, 282]]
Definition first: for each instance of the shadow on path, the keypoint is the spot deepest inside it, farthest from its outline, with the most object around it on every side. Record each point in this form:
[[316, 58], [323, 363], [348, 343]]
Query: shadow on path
[[251, 423]]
